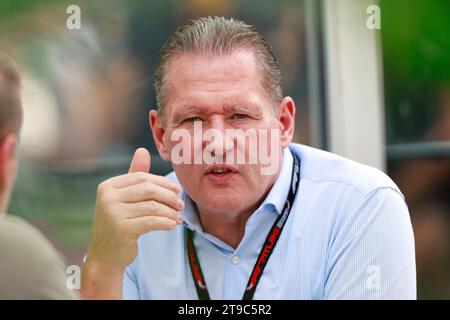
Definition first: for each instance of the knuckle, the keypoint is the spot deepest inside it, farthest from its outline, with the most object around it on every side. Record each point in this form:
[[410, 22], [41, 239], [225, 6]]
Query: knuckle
[[172, 214], [150, 223], [101, 186], [174, 199], [150, 189], [104, 191], [106, 198], [141, 176], [152, 206]]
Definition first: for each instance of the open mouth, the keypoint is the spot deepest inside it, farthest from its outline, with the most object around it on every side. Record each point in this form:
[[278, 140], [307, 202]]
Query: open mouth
[[221, 173], [220, 169]]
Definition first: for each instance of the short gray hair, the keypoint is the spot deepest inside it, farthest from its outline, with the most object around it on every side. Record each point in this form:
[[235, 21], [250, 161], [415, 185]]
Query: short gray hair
[[217, 36]]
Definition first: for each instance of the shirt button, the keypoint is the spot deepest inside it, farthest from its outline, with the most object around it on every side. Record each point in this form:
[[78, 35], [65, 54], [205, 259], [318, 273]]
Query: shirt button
[[235, 260]]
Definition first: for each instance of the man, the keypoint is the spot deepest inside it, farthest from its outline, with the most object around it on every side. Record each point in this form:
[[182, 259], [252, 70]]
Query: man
[[29, 266], [317, 227]]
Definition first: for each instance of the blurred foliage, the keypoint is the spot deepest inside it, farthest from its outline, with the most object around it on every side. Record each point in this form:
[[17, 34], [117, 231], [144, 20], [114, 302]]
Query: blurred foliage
[[416, 58], [10, 8], [416, 39]]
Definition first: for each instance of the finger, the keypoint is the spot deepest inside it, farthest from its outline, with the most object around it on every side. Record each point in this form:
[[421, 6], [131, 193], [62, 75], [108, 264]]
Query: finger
[[141, 161], [150, 191], [128, 179], [146, 224], [151, 208]]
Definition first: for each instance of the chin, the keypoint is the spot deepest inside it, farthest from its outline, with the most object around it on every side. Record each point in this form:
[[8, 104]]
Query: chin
[[222, 201]]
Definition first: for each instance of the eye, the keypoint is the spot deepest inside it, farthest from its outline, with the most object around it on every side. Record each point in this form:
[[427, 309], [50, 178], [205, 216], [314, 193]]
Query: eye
[[239, 116], [193, 119]]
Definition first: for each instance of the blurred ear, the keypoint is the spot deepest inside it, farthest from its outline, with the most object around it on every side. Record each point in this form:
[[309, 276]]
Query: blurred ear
[[158, 131], [8, 161], [286, 117]]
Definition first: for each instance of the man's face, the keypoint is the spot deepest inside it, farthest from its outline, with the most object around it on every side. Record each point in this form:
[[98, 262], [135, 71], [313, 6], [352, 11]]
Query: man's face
[[221, 93]]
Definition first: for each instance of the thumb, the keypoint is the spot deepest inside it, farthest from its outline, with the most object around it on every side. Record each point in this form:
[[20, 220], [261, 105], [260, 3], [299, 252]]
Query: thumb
[[141, 161]]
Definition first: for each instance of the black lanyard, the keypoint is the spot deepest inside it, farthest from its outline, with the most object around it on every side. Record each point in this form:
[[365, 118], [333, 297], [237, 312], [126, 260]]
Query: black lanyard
[[264, 255]]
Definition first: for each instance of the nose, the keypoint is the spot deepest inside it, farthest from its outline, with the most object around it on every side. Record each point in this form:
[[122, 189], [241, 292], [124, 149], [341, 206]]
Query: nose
[[216, 140]]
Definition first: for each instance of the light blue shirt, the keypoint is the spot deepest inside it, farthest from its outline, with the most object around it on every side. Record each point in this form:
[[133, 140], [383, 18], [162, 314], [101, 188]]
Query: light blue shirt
[[348, 236]]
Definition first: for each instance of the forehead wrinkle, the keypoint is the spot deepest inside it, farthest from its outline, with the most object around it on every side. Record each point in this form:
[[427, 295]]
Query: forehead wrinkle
[[240, 108], [218, 89], [213, 64]]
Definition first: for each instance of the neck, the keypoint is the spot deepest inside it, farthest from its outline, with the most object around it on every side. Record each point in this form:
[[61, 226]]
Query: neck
[[229, 230]]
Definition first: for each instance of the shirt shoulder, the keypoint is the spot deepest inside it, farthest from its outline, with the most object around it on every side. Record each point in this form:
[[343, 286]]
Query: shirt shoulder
[[322, 166], [30, 267], [17, 233]]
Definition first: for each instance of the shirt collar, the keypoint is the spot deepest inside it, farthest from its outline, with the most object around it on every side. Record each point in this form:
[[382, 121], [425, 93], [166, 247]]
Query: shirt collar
[[280, 189], [191, 219], [275, 198]]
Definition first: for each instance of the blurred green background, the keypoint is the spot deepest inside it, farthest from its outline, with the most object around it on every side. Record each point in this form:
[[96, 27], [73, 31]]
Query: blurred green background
[[416, 67]]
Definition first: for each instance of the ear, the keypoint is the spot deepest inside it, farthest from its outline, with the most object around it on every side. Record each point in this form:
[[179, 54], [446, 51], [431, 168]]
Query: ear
[[8, 162], [286, 117], [158, 132]]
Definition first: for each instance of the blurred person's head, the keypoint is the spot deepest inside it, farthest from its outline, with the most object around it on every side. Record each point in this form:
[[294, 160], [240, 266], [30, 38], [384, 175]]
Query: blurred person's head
[[220, 73], [10, 123]]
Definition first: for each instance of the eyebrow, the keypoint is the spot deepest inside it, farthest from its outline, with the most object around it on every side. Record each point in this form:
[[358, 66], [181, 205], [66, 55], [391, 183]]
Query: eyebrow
[[256, 112], [185, 113]]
